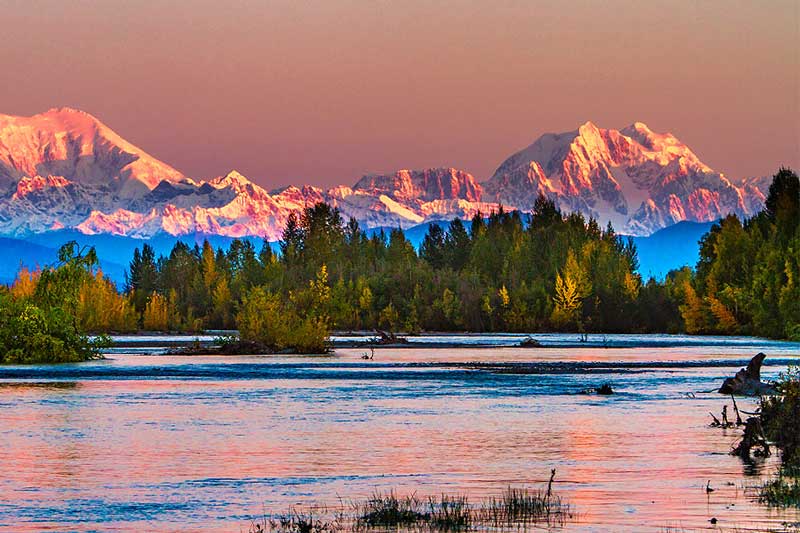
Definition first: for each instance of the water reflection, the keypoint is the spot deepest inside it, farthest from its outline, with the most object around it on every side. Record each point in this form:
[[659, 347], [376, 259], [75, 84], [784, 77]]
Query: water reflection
[[162, 443]]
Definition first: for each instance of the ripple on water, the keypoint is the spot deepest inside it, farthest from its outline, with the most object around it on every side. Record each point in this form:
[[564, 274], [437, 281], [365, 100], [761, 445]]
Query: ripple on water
[[160, 443]]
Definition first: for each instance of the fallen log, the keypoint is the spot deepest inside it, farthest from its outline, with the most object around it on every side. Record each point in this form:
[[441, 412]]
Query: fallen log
[[747, 381]]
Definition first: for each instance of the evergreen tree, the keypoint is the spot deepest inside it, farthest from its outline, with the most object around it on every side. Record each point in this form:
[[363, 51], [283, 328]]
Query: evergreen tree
[[432, 248]]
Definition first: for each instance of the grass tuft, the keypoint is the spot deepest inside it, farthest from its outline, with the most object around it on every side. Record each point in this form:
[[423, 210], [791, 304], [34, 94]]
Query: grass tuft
[[782, 491], [389, 510], [525, 506], [514, 508]]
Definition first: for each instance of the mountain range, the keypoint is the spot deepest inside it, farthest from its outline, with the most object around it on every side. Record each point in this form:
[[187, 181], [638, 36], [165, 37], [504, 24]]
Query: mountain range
[[66, 170]]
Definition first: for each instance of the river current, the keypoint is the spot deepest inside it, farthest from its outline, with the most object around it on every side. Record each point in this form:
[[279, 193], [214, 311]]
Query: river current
[[163, 443]]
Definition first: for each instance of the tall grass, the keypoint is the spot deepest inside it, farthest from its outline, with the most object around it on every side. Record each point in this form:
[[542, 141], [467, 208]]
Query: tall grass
[[783, 490], [385, 510], [520, 506], [450, 513], [514, 508], [312, 520]]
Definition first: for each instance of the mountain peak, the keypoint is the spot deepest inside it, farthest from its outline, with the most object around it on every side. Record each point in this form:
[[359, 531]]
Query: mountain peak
[[65, 110], [640, 126], [635, 178], [60, 166], [231, 178], [441, 183], [77, 146]]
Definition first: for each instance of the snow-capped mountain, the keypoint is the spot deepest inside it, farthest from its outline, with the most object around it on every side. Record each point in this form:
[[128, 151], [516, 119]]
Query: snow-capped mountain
[[65, 169], [639, 180]]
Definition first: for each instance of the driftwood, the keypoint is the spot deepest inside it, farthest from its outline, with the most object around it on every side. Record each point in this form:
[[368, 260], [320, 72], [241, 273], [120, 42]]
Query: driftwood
[[752, 439], [736, 410], [530, 342], [724, 423], [387, 337], [747, 381]]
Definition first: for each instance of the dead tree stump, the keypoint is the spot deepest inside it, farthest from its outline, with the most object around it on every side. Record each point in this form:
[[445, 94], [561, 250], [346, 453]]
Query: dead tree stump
[[752, 439]]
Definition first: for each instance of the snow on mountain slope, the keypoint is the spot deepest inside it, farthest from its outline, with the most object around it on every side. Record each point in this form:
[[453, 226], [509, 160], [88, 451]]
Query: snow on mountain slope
[[75, 145], [65, 169], [635, 178], [229, 205]]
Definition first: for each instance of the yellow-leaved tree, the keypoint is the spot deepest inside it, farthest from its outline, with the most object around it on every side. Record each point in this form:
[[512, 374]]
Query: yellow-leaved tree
[[25, 283], [299, 325], [155, 316], [693, 310], [572, 286], [101, 308]]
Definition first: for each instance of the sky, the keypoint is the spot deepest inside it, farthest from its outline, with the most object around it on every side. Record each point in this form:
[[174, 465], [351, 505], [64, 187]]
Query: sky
[[322, 92]]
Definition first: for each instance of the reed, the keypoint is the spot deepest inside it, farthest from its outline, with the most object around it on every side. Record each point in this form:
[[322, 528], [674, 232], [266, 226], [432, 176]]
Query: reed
[[784, 490], [513, 509], [521, 506], [389, 510], [450, 513]]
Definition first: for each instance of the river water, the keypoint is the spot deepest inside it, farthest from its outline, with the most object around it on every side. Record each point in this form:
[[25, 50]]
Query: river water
[[164, 443]]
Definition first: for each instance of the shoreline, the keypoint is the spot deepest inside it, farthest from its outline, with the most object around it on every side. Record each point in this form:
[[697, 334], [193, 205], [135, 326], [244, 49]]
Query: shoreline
[[451, 341]]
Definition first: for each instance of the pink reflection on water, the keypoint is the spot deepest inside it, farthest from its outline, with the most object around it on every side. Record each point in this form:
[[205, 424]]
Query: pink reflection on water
[[203, 454]]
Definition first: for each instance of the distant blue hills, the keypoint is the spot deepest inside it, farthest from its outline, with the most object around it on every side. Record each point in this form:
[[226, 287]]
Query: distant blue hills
[[113, 251], [667, 249]]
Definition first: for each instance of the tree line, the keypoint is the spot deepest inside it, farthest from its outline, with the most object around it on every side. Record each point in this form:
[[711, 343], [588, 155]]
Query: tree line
[[492, 274], [747, 280], [550, 271]]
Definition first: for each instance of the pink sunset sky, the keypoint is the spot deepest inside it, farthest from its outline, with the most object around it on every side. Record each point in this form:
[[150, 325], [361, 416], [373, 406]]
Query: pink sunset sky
[[321, 92]]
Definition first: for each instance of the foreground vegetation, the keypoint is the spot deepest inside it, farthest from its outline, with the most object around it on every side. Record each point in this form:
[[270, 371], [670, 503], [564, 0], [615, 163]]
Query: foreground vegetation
[[38, 315], [780, 418], [514, 509]]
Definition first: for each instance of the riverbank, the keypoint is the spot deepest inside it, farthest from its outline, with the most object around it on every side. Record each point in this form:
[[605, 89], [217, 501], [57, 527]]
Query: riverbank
[[361, 340]]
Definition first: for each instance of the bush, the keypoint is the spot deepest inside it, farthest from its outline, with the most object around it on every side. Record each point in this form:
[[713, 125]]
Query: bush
[[267, 319], [780, 418], [43, 315], [30, 334]]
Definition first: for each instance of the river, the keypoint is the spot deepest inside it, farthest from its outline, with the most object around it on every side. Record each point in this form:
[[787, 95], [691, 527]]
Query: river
[[163, 443]]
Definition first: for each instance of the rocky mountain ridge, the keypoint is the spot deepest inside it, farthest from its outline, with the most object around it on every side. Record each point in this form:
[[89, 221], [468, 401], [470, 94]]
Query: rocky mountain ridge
[[66, 169]]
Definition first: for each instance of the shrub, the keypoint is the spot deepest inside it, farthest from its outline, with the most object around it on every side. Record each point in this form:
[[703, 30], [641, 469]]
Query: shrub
[[267, 319], [39, 316], [31, 334], [780, 418]]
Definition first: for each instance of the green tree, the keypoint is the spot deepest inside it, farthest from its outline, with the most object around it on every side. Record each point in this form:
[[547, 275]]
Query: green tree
[[42, 327], [432, 248]]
